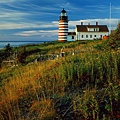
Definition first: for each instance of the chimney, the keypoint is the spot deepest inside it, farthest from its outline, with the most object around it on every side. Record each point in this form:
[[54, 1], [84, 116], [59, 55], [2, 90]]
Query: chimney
[[96, 23], [81, 23]]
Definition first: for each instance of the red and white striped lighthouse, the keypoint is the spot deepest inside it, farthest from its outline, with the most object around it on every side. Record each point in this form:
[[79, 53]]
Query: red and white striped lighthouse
[[63, 26]]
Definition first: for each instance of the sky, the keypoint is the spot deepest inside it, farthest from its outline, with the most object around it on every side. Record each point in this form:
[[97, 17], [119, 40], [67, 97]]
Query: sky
[[37, 20]]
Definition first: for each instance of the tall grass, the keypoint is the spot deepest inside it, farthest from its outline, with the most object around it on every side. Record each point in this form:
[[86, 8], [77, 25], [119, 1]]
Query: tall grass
[[84, 83]]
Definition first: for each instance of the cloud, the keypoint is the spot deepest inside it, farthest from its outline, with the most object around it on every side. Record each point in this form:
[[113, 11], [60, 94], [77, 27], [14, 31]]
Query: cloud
[[24, 25], [106, 21], [115, 10], [8, 1], [69, 7], [42, 33], [25, 15], [10, 13], [12, 16], [27, 33]]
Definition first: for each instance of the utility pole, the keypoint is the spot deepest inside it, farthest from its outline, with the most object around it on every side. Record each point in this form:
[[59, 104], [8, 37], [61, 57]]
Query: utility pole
[[110, 19]]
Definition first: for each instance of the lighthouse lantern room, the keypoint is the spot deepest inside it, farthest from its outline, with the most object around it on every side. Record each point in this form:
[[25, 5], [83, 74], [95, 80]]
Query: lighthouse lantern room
[[63, 26]]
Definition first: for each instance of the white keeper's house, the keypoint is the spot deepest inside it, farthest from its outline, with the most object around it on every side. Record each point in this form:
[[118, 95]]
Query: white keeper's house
[[82, 32]]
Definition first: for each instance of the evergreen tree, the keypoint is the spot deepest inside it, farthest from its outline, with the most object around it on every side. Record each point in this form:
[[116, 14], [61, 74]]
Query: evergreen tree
[[8, 50]]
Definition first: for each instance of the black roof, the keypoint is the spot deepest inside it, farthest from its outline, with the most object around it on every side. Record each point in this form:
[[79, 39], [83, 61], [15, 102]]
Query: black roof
[[83, 28], [63, 11], [71, 33]]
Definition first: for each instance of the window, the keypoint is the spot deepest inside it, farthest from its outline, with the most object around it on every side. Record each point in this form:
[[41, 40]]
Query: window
[[72, 37], [101, 36], [86, 36], [90, 36], [94, 35], [97, 29], [82, 36]]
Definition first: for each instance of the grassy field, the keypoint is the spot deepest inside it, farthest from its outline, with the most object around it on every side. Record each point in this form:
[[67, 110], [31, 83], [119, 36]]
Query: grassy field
[[84, 86]]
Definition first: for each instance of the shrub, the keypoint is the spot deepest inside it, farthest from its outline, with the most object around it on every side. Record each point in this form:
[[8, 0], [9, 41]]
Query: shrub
[[114, 39]]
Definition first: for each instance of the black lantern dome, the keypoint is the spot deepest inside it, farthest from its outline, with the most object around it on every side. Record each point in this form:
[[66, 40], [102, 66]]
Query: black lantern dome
[[63, 15]]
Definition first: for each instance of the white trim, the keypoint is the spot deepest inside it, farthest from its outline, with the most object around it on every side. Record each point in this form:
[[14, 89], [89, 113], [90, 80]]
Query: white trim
[[60, 23], [63, 28]]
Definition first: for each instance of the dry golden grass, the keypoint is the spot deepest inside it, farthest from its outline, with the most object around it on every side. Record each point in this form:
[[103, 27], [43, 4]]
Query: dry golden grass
[[28, 81], [31, 92], [44, 109]]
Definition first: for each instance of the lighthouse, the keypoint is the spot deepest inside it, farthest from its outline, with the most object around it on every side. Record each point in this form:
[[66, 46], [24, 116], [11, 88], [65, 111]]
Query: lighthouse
[[63, 26]]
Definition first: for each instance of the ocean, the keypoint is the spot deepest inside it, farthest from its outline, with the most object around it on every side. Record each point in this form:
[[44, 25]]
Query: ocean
[[19, 43]]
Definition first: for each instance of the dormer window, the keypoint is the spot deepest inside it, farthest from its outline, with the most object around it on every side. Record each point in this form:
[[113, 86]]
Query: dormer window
[[96, 29]]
